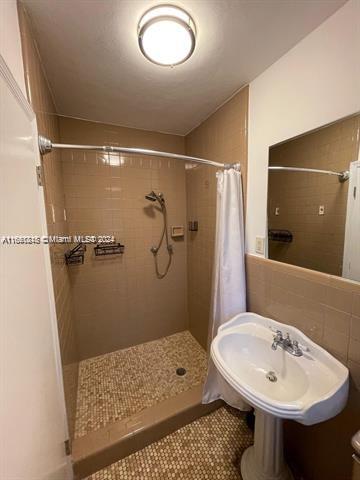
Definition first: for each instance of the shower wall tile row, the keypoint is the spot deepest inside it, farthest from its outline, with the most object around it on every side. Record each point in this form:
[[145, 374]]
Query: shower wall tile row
[[116, 385], [40, 97], [318, 241], [327, 309], [119, 301], [223, 138]]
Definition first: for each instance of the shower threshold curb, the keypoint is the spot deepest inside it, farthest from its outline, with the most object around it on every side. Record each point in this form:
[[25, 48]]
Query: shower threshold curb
[[101, 448]]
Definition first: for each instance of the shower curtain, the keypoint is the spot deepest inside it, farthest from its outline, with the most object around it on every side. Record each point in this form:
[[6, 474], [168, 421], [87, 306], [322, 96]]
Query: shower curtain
[[351, 260], [228, 286]]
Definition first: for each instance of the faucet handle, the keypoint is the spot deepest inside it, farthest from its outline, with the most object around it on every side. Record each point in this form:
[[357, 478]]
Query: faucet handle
[[304, 348], [296, 349], [278, 335], [275, 330]]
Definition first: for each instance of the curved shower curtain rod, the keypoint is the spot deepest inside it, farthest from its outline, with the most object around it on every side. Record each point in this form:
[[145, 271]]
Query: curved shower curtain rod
[[343, 176], [46, 146]]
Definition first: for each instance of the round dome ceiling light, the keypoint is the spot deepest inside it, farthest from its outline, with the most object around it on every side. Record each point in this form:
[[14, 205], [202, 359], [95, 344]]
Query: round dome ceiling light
[[166, 35]]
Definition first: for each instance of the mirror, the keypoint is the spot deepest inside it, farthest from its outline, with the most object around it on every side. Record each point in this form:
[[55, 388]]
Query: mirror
[[314, 206]]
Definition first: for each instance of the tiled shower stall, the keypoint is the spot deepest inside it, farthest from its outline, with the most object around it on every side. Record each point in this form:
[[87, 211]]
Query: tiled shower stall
[[119, 303], [131, 327]]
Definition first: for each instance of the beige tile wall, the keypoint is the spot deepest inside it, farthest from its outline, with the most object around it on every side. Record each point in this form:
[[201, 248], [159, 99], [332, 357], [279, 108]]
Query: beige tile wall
[[41, 100], [327, 309], [222, 138], [318, 241], [118, 300]]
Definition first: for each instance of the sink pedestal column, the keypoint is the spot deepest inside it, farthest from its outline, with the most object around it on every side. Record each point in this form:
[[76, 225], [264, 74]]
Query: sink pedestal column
[[265, 459]]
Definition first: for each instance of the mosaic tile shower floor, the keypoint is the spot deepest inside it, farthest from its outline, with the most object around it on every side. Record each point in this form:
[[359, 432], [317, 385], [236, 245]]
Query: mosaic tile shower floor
[[208, 449], [119, 384]]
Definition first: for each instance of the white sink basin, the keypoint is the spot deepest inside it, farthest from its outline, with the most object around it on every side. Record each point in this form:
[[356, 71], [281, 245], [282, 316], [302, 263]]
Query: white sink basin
[[309, 388]]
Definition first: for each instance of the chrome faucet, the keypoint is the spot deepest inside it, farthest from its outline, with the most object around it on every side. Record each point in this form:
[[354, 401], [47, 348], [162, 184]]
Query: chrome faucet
[[290, 346]]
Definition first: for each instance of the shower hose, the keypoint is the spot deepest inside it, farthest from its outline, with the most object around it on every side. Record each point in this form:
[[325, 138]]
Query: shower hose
[[155, 250]]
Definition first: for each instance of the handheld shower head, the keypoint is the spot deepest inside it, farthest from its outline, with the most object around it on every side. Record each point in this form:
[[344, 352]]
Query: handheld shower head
[[153, 197], [159, 197]]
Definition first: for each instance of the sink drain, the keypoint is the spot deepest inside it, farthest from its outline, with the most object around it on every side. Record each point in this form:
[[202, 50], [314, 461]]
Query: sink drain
[[180, 371], [271, 376]]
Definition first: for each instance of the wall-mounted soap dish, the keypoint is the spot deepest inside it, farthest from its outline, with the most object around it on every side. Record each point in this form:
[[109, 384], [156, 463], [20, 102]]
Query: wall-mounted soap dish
[[177, 231]]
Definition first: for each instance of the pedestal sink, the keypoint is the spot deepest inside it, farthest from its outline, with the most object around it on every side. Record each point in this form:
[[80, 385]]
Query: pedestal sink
[[309, 388]]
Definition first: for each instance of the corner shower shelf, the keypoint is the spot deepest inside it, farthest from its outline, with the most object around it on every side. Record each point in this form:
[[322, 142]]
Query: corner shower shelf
[[75, 256], [115, 248]]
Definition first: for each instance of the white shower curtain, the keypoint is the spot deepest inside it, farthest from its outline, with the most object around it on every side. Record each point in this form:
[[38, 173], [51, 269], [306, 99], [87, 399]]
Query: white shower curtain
[[228, 288], [351, 261]]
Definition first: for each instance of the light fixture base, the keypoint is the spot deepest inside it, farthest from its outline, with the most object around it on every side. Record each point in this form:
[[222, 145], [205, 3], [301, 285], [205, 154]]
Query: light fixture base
[[164, 26]]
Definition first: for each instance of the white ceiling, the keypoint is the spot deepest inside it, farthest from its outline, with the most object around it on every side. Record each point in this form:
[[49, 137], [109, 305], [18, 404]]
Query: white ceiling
[[97, 72]]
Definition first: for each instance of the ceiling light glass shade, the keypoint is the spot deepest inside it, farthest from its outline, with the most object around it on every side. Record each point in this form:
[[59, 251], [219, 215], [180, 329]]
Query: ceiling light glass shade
[[166, 35]]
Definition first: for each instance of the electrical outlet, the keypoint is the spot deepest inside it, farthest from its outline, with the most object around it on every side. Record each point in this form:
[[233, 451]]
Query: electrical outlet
[[322, 210], [260, 245]]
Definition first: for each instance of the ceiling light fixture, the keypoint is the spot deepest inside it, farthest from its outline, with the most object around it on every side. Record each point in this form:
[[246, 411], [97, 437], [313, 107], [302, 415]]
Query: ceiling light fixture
[[166, 35]]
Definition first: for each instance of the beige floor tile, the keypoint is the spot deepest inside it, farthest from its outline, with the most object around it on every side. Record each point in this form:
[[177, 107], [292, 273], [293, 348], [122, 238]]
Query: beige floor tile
[[119, 384], [208, 449]]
